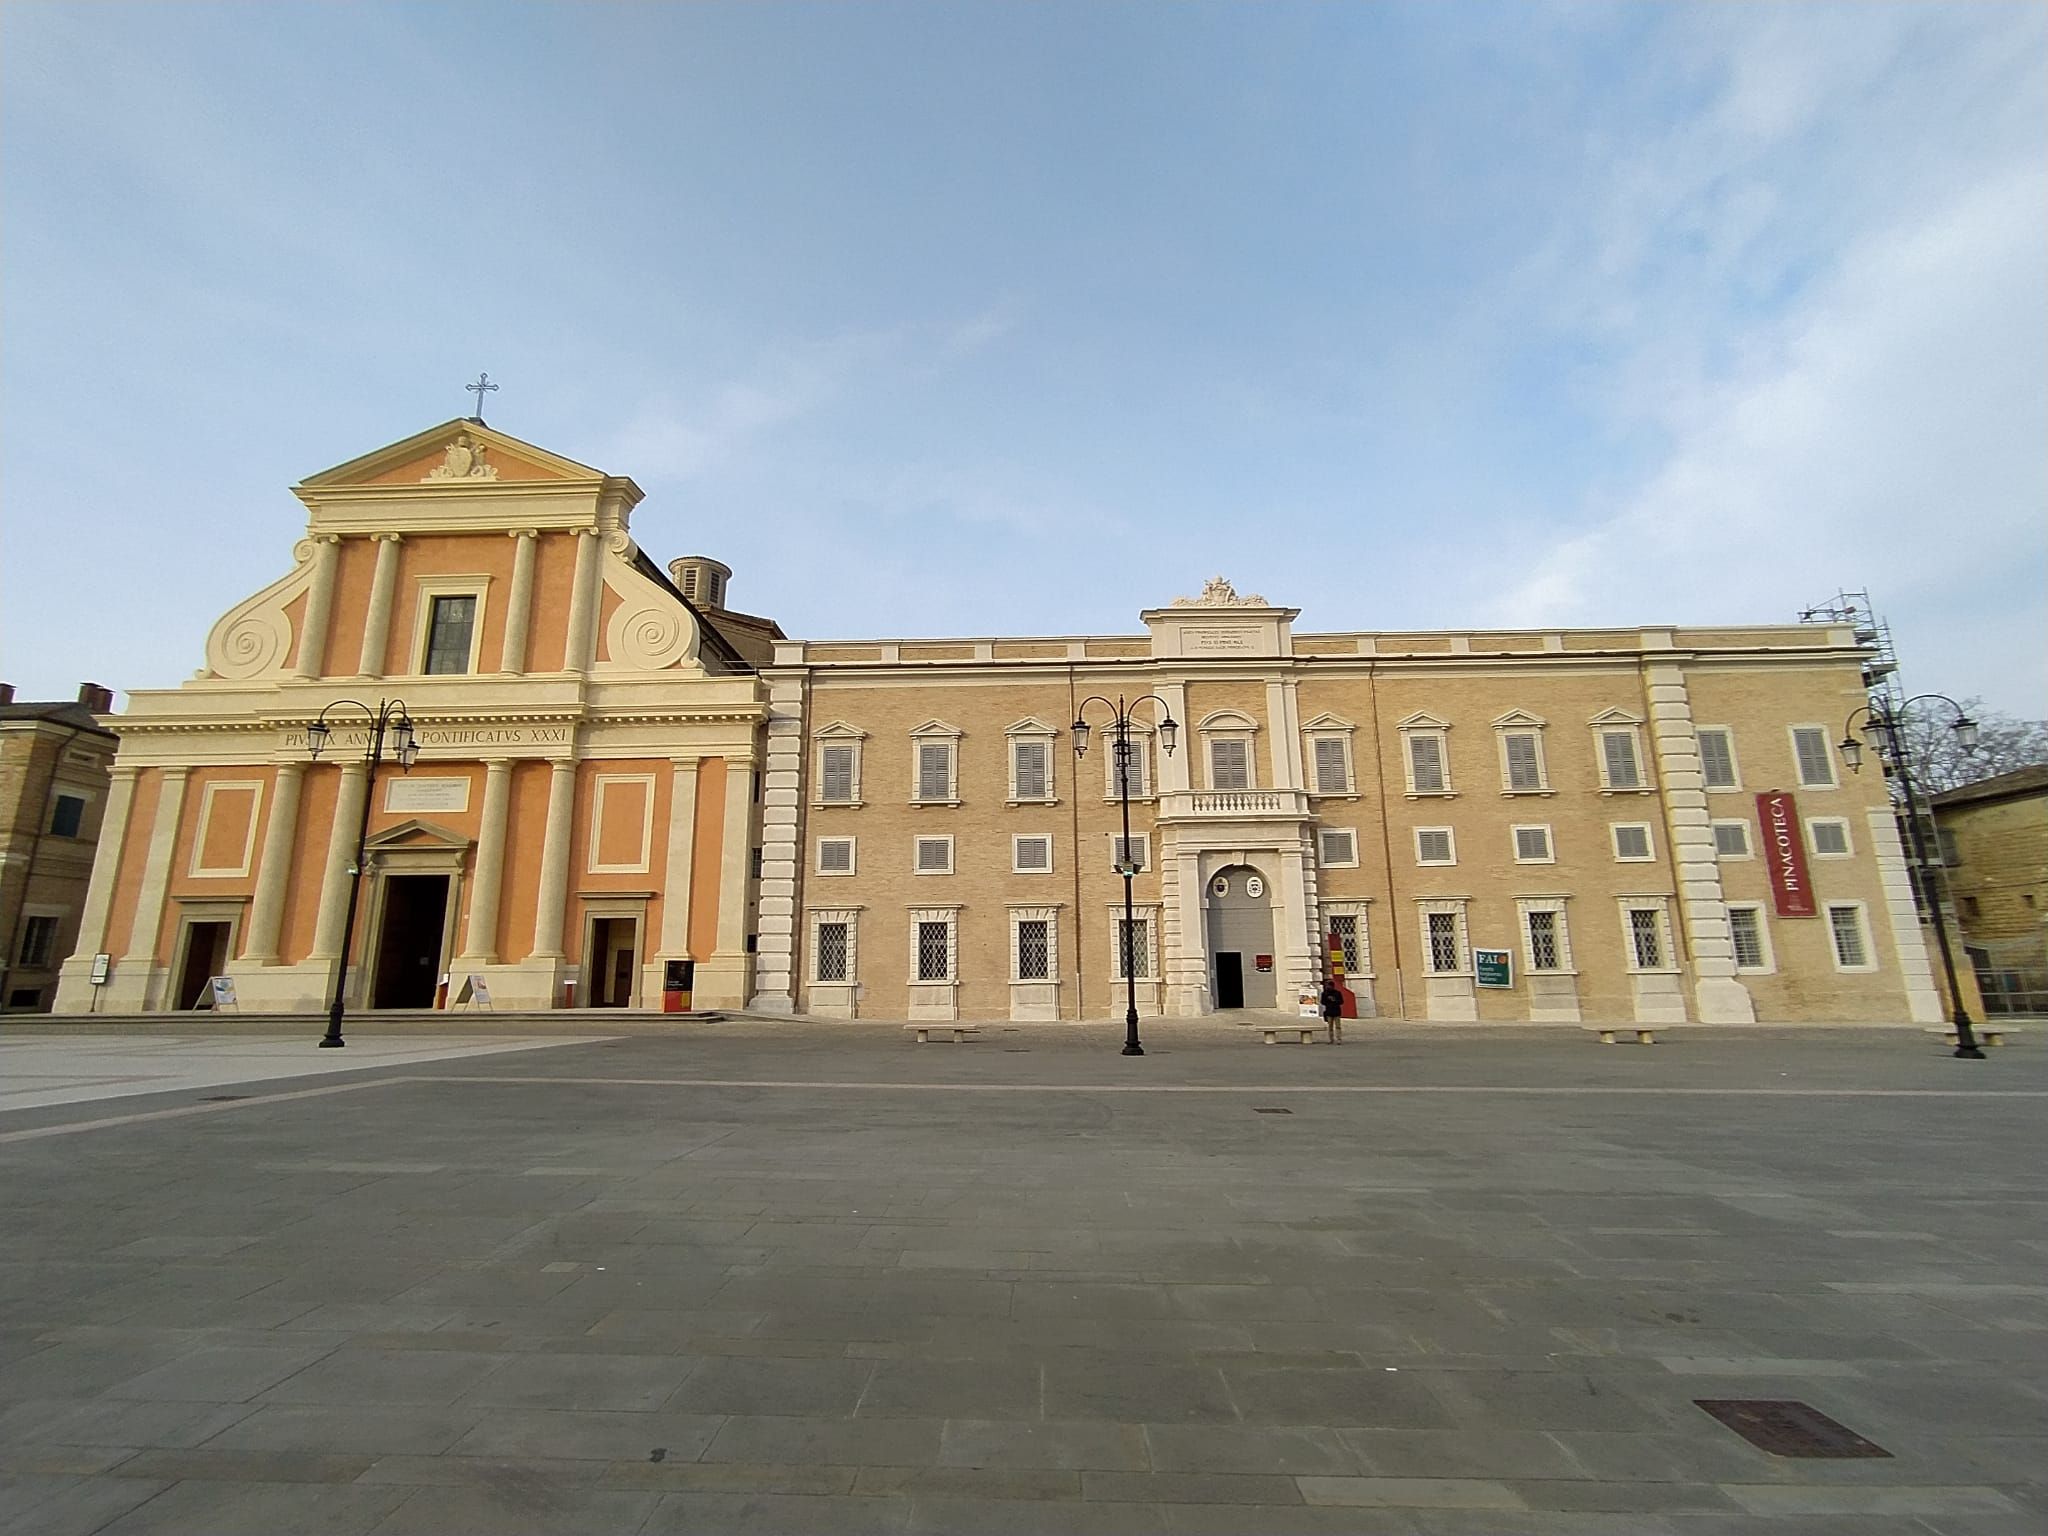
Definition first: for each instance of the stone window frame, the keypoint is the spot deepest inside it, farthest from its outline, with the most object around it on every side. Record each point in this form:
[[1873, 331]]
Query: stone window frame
[[1519, 722], [1861, 910], [195, 870], [1827, 755], [1549, 841], [1451, 843], [1761, 912], [1741, 824], [1051, 853], [1621, 723], [1323, 859], [836, 734], [917, 846], [1461, 933], [1050, 916], [1727, 732], [1423, 724], [1329, 727], [1227, 725], [1524, 905], [85, 798], [931, 733], [1649, 854], [1034, 730], [1667, 952], [1813, 848], [950, 916], [1148, 913], [425, 590], [818, 918], [1142, 765], [1361, 909], [1141, 840], [852, 856], [33, 916]]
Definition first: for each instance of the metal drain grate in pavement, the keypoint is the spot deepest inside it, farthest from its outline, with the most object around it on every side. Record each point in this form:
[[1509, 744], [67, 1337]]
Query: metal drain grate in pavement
[[1786, 1428], [1262, 1110], [224, 1098]]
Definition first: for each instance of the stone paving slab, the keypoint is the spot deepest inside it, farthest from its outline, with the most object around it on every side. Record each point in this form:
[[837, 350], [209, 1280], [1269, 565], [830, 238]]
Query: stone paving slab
[[792, 1278]]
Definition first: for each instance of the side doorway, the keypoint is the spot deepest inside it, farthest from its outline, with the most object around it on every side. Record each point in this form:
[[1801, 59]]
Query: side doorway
[[611, 963]]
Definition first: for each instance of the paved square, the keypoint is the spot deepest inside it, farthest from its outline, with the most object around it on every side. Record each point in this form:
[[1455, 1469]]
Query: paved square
[[795, 1277]]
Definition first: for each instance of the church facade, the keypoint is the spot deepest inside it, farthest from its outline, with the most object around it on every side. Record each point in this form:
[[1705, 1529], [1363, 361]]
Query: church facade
[[619, 773]]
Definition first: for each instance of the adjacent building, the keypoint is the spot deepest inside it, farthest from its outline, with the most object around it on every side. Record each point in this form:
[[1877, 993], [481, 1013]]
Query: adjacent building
[[1994, 840], [621, 775]]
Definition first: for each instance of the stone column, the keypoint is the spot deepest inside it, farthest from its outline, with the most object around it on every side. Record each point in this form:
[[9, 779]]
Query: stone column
[[156, 870], [682, 846], [781, 806], [737, 864], [581, 648], [1719, 995], [377, 625], [341, 858], [1916, 972], [1175, 772], [319, 607], [519, 607], [106, 864], [553, 904], [481, 946], [266, 911]]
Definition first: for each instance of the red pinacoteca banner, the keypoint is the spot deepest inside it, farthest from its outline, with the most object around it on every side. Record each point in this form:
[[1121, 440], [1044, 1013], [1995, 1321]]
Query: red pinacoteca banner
[[1785, 852]]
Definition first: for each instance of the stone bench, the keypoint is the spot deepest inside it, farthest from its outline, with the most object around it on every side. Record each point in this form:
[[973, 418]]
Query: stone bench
[[1645, 1034], [1987, 1034], [1304, 1034], [944, 1031]]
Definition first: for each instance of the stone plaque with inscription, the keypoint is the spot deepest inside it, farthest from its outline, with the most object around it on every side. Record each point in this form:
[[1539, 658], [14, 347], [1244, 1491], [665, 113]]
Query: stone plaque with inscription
[[408, 794]]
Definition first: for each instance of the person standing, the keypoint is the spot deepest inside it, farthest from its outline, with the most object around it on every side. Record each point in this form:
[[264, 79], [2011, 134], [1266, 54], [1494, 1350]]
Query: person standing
[[1332, 1000]]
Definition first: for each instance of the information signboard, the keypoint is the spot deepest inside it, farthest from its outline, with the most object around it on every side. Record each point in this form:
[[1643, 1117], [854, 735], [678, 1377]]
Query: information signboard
[[1493, 967]]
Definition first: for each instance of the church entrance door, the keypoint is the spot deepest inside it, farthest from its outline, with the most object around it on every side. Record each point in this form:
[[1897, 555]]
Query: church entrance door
[[415, 921]]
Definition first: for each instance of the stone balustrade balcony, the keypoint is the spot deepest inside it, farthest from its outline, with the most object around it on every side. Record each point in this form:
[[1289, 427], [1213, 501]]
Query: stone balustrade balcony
[[1234, 805]]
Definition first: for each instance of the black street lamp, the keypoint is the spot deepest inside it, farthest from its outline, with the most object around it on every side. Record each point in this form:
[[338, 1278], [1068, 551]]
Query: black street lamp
[[1120, 724], [389, 715], [1881, 722]]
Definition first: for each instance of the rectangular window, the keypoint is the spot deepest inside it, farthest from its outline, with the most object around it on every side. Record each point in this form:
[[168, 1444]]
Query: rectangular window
[[1632, 842], [1845, 924], [1443, 942], [1136, 942], [1543, 946], [38, 940], [934, 951], [1034, 950], [1426, 774], [1230, 764], [935, 770], [935, 855], [831, 952], [1333, 777], [1815, 757], [1945, 847], [1030, 770], [67, 815], [1344, 927], [1131, 851], [1746, 927], [1829, 838], [1134, 763], [1731, 839], [1031, 855], [1618, 759], [1717, 756], [1532, 845], [1338, 848], [1434, 845], [449, 631], [1524, 760], [835, 774], [1646, 938], [835, 855]]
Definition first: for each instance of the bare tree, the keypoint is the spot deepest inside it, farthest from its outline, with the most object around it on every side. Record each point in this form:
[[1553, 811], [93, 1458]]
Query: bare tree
[[2003, 744]]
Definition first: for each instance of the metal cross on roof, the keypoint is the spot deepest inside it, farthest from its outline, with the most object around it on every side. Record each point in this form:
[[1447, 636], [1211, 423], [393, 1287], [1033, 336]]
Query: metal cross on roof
[[480, 388]]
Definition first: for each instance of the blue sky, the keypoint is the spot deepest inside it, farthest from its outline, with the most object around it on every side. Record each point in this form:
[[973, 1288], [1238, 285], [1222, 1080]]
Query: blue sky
[[1014, 319]]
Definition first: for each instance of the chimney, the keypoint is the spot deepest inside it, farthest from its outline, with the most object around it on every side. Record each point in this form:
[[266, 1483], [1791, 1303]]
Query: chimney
[[96, 698], [6, 693]]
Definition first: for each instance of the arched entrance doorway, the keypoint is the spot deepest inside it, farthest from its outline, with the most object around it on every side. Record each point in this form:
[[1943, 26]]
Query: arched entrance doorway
[[1238, 906]]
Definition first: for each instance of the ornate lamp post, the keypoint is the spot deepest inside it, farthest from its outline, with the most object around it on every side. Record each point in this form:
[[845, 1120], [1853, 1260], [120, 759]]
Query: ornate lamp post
[[389, 716], [1120, 727], [1882, 720]]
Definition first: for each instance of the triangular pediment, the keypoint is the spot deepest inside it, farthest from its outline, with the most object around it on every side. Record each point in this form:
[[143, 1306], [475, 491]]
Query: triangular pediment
[[938, 728], [1328, 722], [459, 452], [1615, 717], [1423, 720], [839, 730], [1031, 725], [1520, 717], [415, 834]]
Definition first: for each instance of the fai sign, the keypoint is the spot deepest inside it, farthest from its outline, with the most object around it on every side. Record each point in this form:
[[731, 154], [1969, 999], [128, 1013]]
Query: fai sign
[[1786, 854]]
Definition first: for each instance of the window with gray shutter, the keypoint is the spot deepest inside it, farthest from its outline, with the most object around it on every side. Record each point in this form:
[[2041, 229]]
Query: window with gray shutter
[[837, 775], [1618, 750], [1033, 854], [1631, 841], [1525, 766], [1816, 759], [1731, 839], [1331, 776], [1717, 757], [1532, 845], [1126, 851], [1029, 760], [831, 952], [1433, 845], [1230, 765], [1829, 836], [835, 855], [1426, 764], [1034, 950], [934, 770], [935, 855], [1339, 847]]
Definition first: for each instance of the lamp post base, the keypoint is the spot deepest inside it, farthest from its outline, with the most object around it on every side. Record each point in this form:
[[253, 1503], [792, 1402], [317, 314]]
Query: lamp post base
[[1970, 1052], [331, 1042], [1132, 1048]]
